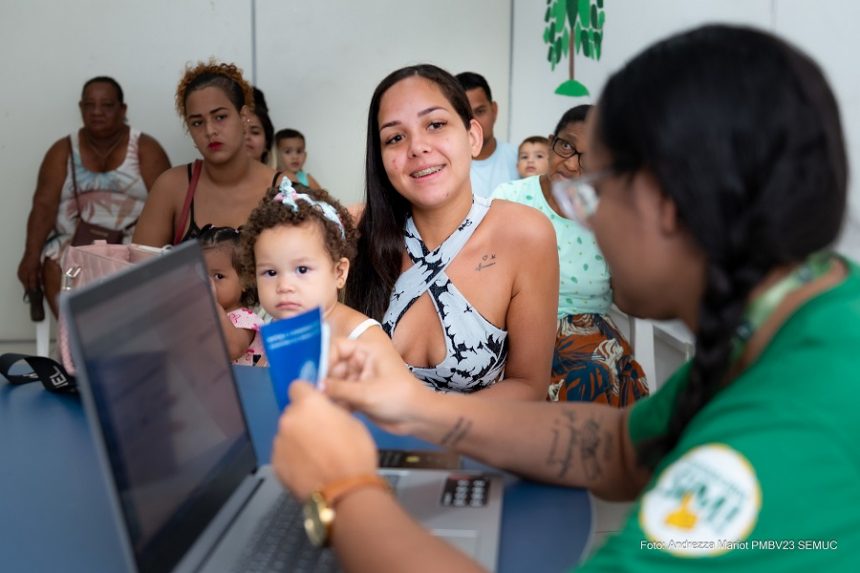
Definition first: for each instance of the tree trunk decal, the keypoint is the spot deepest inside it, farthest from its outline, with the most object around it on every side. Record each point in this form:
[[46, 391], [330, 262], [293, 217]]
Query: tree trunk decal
[[573, 27]]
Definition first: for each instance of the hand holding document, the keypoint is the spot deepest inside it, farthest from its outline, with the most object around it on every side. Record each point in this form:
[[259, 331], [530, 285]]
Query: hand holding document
[[297, 349]]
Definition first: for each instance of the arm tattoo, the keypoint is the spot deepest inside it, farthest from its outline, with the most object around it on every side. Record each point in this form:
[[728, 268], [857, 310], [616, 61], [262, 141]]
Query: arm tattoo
[[607, 446], [486, 261], [589, 444], [457, 433], [569, 438]]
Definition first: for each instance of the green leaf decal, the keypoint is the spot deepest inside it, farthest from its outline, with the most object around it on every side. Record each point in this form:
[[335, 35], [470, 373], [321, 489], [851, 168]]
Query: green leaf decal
[[586, 44], [584, 9]]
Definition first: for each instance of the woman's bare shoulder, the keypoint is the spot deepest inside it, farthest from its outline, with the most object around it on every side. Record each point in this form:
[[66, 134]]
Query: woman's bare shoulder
[[59, 150], [173, 182], [265, 174], [514, 222]]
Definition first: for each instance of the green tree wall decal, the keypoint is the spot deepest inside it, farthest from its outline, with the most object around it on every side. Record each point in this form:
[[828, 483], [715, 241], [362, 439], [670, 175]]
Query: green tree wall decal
[[573, 27]]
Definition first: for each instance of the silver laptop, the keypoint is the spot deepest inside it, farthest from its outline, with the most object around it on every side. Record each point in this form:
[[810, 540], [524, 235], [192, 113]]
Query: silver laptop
[[175, 448]]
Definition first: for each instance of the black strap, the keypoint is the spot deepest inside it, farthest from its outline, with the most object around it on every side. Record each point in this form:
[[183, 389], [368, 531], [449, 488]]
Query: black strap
[[74, 179], [275, 178], [49, 372]]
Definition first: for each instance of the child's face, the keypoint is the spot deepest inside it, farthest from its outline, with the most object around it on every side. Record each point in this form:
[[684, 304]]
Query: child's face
[[294, 271], [291, 154], [255, 137], [533, 159], [228, 286]]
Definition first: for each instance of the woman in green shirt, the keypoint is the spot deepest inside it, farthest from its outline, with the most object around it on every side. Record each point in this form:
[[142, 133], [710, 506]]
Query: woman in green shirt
[[715, 184]]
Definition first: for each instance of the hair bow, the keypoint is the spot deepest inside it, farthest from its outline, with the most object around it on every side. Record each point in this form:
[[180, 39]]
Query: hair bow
[[288, 195]]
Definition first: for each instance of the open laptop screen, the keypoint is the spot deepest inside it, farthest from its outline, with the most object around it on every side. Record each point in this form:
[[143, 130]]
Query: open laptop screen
[[162, 387]]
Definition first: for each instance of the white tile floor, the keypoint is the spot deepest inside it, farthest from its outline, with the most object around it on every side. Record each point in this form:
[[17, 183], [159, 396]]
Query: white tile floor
[[608, 518]]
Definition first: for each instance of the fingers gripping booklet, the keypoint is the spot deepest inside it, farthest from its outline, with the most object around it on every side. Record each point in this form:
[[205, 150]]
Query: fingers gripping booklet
[[297, 349]]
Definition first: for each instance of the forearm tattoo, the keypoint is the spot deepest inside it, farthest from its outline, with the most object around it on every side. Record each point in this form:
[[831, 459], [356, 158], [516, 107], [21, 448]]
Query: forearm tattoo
[[457, 433], [570, 439], [607, 446]]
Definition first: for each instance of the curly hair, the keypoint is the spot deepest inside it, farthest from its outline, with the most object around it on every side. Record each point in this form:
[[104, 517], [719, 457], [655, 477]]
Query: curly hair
[[211, 238], [270, 214], [226, 76]]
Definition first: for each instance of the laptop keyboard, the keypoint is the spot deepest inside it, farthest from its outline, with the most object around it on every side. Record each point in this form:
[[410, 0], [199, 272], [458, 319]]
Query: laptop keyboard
[[280, 544]]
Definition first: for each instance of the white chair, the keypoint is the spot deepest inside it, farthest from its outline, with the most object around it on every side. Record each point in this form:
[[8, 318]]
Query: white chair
[[43, 333], [642, 340]]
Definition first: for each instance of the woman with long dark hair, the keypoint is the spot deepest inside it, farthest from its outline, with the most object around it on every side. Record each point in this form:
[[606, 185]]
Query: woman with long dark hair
[[465, 287], [715, 185]]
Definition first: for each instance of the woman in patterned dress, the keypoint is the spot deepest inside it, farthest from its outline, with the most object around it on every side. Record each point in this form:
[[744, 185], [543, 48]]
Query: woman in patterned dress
[[592, 361], [114, 167], [466, 287]]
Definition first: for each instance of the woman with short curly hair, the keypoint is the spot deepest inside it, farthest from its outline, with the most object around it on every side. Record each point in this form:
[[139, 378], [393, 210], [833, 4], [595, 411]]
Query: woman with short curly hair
[[215, 102]]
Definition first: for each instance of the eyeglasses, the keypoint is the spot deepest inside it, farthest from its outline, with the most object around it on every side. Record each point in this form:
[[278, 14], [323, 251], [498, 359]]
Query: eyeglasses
[[578, 198], [566, 150]]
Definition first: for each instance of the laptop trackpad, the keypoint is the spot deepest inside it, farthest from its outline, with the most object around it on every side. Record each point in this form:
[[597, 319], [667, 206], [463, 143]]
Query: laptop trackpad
[[464, 540]]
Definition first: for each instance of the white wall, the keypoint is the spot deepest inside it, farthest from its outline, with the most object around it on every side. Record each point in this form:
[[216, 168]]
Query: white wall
[[348, 47], [827, 30], [317, 63], [51, 48]]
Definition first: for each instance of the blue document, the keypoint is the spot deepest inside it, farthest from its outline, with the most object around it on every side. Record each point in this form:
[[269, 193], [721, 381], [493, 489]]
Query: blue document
[[297, 349]]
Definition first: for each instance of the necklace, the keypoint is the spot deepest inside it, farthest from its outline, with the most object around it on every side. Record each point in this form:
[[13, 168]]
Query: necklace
[[103, 155]]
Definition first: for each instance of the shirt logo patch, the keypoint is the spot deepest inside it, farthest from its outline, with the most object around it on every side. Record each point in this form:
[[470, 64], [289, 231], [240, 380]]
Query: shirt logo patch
[[703, 504]]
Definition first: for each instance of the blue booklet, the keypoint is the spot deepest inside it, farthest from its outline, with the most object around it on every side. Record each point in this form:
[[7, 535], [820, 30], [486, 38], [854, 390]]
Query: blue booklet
[[297, 349]]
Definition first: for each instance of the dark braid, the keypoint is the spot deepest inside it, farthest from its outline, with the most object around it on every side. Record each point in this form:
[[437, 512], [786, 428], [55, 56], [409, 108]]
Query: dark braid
[[752, 157]]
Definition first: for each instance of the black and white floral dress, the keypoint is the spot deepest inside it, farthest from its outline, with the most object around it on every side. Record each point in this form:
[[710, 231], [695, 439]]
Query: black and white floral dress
[[476, 350]]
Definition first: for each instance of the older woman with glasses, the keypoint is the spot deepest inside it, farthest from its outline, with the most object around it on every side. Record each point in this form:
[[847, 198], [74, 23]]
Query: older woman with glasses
[[592, 361]]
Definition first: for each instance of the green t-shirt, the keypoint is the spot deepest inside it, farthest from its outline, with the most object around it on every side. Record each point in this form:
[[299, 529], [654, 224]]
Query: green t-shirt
[[583, 273], [766, 477]]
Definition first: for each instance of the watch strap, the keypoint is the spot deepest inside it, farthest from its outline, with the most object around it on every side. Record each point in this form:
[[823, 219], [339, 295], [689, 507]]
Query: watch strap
[[336, 490]]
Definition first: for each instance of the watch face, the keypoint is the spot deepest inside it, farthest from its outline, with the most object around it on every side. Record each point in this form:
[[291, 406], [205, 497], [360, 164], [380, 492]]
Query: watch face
[[318, 518]]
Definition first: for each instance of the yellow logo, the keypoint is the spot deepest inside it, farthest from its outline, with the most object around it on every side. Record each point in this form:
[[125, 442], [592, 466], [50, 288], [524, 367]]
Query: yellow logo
[[703, 503], [683, 518]]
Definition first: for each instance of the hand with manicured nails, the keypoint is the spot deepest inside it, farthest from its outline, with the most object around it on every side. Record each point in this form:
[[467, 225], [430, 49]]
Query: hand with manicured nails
[[319, 443]]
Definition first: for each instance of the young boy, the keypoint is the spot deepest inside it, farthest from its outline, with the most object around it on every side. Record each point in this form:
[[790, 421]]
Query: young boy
[[292, 156], [533, 156]]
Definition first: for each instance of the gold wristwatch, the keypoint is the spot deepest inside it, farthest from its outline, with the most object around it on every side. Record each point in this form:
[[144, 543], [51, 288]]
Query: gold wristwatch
[[319, 508]]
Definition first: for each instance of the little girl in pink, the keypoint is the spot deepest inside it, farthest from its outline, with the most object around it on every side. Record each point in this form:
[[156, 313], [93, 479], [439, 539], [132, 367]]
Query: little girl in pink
[[239, 323]]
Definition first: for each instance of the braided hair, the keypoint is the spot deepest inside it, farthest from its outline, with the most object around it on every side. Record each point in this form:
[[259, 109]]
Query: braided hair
[[743, 134]]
